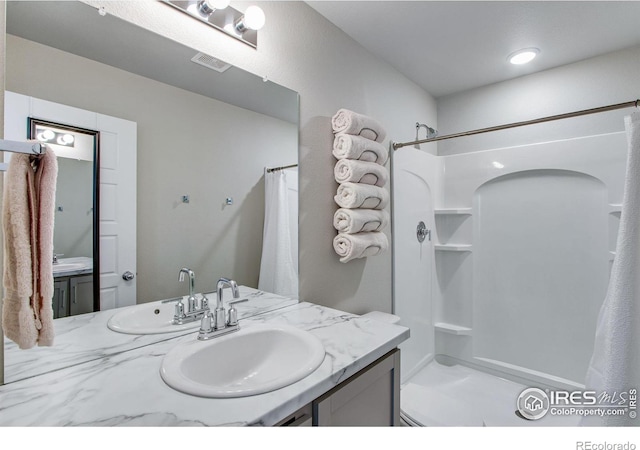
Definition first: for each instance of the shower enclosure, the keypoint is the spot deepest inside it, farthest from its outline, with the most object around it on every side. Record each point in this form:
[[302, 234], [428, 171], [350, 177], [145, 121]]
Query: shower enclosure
[[504, 292]]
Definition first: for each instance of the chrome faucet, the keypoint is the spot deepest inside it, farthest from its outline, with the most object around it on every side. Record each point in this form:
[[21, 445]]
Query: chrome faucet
[[194, 311], [220, 324], [191, 301], [220, 313]]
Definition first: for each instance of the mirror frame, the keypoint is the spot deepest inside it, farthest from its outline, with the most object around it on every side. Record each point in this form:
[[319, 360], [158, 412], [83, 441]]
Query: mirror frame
[[31, 134]]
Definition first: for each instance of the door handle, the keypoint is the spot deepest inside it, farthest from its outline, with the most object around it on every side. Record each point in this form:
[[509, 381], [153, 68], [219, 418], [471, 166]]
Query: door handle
[[128, 276]]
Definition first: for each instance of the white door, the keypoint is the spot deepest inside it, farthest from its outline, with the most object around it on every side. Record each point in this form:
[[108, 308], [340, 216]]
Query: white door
[[117, 212], [118, 147]]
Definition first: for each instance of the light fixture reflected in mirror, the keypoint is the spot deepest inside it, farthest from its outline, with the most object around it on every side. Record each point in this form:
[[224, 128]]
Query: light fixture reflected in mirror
[[218, 14], [49, 136]]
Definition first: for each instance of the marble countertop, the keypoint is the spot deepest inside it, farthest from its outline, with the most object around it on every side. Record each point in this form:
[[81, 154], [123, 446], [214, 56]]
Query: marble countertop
[[85, 337], [126, 389]]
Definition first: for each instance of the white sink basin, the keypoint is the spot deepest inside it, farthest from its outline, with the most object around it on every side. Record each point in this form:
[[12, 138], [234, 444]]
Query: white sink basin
[[254, 360], [148, 318], [72, 264], [65, 267]]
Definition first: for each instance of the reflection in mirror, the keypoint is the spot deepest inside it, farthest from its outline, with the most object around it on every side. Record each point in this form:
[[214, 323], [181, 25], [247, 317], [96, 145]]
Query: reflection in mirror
[[75, 236], [203, 134]]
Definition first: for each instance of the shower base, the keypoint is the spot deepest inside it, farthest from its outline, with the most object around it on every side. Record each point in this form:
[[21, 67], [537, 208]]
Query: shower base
[[456, 395]]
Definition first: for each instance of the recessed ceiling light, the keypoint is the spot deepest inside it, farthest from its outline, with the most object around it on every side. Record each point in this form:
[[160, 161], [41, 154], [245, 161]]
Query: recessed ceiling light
[[523, 56]]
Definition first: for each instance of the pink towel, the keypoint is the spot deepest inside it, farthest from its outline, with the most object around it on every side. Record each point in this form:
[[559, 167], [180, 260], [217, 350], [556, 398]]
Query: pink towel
[[45, 183], [27, 214]]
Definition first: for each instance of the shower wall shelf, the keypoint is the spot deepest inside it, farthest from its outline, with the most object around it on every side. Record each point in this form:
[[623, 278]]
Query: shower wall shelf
[[452, 329], [615, 208], [448, 211], [612, 256], [452, 247]]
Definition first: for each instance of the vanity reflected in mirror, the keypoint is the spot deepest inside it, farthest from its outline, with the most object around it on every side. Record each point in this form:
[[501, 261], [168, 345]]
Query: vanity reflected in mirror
[[75, 237], [202, 141]]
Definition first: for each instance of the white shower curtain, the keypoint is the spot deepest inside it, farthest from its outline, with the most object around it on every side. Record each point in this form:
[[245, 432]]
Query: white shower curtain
[[277, 269], [615, 364]]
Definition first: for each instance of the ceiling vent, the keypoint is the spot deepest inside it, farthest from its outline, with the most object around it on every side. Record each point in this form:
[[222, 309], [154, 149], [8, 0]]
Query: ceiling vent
[[210, 62]]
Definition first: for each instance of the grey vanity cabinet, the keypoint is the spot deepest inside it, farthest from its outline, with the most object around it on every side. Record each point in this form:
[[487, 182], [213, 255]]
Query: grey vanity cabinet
[[72, 295], [371, 397], [60, 297], [80, 295]]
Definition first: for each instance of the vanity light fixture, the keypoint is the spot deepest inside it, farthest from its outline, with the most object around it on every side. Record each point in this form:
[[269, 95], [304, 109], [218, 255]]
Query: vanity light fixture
[[47, 135], [523, 56], [218, 14]]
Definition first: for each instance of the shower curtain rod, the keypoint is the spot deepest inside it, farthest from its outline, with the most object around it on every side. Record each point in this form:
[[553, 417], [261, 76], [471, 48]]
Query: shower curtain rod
[[584, 112], [273, 169]]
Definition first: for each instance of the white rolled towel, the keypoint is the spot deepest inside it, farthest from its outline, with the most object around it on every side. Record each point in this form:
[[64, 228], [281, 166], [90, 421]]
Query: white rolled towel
[[347, 146], [359, 245], [361, 172], [365, 196], [346, 121], [359, 220]]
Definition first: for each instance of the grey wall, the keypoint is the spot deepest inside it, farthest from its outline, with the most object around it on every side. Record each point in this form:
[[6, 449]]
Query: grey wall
[[601, 81], [300, 49], [187, 145]]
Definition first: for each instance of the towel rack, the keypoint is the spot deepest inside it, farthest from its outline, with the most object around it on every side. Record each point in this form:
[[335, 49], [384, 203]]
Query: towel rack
[[31, 148]]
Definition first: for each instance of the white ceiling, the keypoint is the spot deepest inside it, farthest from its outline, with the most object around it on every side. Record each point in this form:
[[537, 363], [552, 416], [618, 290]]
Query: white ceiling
[[452, 46]]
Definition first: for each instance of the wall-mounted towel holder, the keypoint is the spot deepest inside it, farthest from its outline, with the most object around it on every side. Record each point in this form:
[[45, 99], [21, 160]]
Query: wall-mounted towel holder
[[31, 148]]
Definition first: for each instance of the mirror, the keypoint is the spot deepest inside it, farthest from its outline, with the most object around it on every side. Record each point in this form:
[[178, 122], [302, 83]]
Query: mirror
[[202, 136], [76, 220]]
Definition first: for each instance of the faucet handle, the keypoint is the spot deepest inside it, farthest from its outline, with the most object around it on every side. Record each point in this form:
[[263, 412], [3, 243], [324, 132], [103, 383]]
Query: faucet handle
[[233, 317], [204, 302], [233, 312], [206, 325], [179, 310], [233, 302]]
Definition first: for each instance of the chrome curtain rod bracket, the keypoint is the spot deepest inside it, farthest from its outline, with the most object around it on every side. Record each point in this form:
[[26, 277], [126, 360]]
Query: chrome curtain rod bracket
[[275, 169], [584, 112], [32, 148]]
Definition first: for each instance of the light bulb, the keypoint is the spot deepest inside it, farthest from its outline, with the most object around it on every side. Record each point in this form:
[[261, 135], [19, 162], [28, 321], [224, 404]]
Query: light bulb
[[207, 7], [218, 4], [48, 134], [254, 18], [68, 139]]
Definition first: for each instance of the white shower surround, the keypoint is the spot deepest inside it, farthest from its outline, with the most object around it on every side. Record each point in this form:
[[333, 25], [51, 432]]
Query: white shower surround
[[519, 260]]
